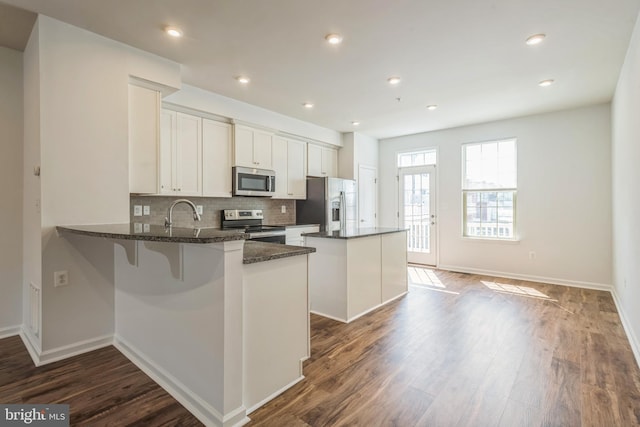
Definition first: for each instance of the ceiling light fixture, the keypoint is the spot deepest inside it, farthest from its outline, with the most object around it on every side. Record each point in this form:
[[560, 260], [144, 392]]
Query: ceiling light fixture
[[243, 79], [333, 38], [173, 31], [545, 83], [356, 123], [307, 105], [535, 39], [394, 80], [432, 107]]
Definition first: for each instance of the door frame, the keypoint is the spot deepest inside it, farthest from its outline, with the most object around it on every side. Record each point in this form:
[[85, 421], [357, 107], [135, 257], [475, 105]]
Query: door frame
[[375, 194], [435, 232]]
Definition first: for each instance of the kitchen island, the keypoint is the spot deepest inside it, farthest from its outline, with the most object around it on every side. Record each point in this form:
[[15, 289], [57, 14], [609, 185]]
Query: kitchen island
[[220, 323], [355, 271]]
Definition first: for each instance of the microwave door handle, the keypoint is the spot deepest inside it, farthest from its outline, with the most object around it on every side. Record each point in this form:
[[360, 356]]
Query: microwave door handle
[[270, 180]]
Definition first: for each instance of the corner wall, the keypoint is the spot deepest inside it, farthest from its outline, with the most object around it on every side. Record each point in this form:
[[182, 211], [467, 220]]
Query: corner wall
[[82, 113], [11, 191], [625, 161], [563, 205]]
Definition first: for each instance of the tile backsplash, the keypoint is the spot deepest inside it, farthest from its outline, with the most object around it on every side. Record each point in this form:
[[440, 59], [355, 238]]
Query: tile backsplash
[[212, 207]]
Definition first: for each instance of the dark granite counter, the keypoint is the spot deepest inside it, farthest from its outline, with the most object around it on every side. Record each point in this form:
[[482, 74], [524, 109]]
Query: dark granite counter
[[354, 233], [263, 251], [154, 233]]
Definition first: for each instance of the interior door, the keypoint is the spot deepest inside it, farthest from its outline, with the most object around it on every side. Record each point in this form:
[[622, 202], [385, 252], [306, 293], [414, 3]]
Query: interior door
[[367, 196], [418, 212]]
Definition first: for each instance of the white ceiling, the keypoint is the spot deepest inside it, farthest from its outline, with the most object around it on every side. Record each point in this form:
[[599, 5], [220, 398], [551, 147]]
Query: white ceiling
[[467, 56]]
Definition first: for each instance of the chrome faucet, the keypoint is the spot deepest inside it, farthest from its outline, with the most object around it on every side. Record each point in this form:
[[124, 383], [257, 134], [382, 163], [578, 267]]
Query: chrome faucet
[[168, 220]]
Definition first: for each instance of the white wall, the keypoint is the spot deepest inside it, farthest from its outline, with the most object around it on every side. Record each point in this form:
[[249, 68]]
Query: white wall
[[11, 190], [357, 149], [564, 196], [83, 142], [625, 191], [199, 99]]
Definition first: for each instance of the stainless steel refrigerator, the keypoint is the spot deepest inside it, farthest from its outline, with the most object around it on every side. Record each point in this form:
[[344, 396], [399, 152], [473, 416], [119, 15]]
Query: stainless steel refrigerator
[[331, 202]]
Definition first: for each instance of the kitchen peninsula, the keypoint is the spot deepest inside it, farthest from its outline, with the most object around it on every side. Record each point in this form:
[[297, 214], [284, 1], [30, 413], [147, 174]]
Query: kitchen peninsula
[[220, 323], [356, 270]]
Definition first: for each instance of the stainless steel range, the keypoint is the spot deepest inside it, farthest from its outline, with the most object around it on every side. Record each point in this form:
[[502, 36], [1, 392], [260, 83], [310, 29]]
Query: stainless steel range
[[251, 222]]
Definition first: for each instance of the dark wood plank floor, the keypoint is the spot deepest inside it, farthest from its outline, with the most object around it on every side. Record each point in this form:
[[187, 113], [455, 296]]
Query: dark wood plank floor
[[467, 350], [103, 388], [458, 350]]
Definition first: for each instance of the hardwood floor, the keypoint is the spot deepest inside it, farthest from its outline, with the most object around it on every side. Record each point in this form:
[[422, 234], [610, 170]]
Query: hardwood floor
[[467, 350], [458, 350], [102, 388]]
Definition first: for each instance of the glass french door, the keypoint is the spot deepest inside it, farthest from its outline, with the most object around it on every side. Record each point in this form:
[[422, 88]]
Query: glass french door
[[418, 212]]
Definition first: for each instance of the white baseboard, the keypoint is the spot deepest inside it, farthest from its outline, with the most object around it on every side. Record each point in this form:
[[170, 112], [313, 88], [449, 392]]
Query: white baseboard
[[31, 344], [529, 278], [274, 395], [10, 331], [360, 314], [64, 352], [328, 316], [206, 413], [628, 329]]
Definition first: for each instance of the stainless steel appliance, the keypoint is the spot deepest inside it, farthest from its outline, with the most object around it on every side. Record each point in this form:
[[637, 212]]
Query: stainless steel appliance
[[253, 182], [250, 221], [331, 202]]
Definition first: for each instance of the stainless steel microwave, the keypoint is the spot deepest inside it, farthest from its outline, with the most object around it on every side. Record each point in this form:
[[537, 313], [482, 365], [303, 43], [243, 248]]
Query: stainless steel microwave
[[253, 182]]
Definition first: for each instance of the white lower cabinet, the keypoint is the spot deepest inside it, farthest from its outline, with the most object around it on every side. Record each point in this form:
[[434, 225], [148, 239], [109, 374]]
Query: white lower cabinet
[[294, 234], [180, 154]]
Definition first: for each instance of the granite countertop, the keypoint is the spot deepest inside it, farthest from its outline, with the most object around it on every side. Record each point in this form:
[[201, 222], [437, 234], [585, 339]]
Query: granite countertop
[[264, 251], [154, 233], [354, 233]]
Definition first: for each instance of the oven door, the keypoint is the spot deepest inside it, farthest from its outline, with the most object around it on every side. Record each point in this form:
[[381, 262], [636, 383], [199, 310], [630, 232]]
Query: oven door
[[253, 182], [270, 239]]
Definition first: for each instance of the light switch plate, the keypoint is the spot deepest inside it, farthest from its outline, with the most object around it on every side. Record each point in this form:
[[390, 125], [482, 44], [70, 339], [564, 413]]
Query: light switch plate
[[137, 210], [146, 210], [199, 209], [283, 209]]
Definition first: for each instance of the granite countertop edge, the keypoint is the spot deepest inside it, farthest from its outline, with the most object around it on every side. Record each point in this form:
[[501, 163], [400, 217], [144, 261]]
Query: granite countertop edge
[[355, 234], [255, 252]]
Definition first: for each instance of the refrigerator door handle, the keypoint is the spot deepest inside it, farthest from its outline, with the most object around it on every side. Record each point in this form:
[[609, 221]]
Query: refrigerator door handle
[[343, 211]]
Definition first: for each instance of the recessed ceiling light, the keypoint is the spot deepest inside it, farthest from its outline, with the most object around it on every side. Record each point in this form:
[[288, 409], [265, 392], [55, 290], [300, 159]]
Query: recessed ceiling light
[[173, 31], [394, 80], [432, 107], [356, 123], [545, 83], [535, 39], [307, 105], [333, 38], [243, 79]]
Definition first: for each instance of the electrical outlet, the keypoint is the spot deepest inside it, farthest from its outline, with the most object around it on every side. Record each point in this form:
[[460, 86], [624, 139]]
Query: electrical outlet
[[60, 278], [199, 209], [137, 210], [283, 209], [532, 255], [146, 210]]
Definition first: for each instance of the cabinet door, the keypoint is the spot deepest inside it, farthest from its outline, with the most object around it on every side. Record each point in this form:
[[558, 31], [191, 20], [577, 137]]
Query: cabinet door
[[216, 159], [329, 162], [314, 160], [188, 155], [243, 147], [280, 166], [144, 115], [166, 152], [262, 149], [296, 176]]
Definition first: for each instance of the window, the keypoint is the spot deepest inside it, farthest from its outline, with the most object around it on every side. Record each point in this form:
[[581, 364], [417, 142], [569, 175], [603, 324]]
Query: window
[[489, 184], [417, 158]]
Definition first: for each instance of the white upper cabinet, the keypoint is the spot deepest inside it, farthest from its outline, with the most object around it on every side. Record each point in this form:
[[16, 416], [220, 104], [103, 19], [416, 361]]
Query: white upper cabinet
[[252, 147], [289, 164], [180, 154], [322, 161], [216, 158], [144, 134]]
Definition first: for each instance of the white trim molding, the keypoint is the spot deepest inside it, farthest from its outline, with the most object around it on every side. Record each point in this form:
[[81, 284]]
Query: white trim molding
[[10, 331], [275, 394], [539, 279], [206, 413], [628, 328], [49, 356]]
